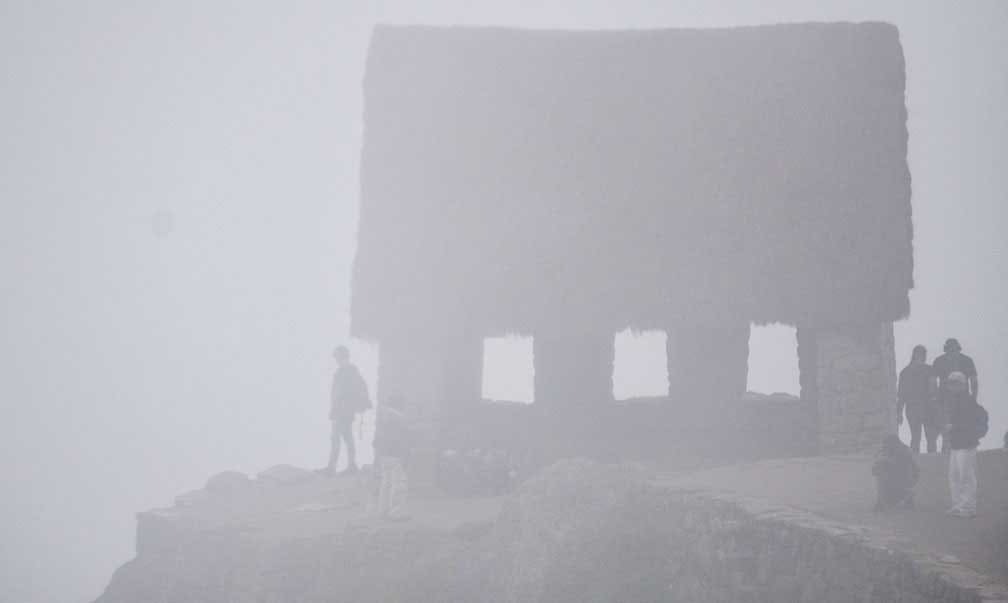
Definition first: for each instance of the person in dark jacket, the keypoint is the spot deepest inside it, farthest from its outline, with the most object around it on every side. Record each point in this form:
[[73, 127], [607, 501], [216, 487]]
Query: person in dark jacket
[[896, 473], [953, 360], [917, 396], [967, 424], [348, 397]]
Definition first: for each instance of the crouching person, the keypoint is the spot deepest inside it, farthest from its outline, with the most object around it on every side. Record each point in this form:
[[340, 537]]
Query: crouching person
[[392, 447], [896, 474]]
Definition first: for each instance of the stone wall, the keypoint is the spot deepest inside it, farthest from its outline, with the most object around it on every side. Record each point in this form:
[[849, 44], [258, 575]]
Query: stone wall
[[684, 432], [855, 387], [847, 378]]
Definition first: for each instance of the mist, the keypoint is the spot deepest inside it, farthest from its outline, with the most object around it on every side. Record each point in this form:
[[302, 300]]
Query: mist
[[179, 193]]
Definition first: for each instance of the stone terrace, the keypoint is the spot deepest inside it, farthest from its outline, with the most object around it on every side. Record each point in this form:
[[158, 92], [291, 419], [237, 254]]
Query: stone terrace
[[760, 531]]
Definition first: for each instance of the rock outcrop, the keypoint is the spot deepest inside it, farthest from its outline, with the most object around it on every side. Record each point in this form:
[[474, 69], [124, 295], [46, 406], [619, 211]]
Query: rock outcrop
[[577, 532]]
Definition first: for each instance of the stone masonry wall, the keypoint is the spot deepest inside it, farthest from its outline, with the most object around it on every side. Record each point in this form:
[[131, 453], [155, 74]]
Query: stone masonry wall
[[856, 387]]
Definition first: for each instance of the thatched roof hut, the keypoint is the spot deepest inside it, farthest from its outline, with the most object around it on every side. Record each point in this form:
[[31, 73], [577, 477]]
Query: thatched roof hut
[[568, 185], [520, 181]]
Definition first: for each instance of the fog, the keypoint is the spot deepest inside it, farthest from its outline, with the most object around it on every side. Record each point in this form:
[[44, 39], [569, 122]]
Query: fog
[[178, 198]]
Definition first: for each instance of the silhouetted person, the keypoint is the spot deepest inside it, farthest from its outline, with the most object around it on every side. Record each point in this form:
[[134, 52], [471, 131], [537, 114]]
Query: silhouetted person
[[348, 397], [953, 360], [896, 474], [392, 444], [967, 424], [917, 396]]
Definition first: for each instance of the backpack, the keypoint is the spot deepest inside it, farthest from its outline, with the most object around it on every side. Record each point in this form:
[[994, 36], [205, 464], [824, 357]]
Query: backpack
[[359, 399], [983, 420]]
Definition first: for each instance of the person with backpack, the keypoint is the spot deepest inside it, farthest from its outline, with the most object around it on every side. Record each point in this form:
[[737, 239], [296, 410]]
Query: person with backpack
[[348, 398], [953, 360], [967, 424]]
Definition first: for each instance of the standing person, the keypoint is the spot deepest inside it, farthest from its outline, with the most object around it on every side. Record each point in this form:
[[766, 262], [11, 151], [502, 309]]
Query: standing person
[[392, 447], [348, 397], [916, 395], [953, 360], [967, 424]]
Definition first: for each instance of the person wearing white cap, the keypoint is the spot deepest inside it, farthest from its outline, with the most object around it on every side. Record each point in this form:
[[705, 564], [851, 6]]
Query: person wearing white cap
[[953, 360], [967, 424]]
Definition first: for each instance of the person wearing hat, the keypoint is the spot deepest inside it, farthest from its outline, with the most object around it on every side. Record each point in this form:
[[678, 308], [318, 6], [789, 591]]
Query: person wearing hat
[[953, 360], [967, 424]]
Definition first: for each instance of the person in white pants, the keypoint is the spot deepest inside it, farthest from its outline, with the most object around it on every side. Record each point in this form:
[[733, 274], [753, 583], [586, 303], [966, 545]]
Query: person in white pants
[[967, 424], [392, 447]]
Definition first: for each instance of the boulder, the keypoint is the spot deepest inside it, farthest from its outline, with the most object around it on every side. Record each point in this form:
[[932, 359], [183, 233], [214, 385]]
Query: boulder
[[228, 482], [285, 474]]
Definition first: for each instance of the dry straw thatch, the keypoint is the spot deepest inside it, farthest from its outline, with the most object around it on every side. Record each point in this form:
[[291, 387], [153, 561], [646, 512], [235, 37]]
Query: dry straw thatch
[[519, 181]]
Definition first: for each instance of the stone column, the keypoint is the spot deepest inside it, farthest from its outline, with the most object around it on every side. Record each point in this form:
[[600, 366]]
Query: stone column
[[808, 383], [434, 375], [573, 370], [708, 365], [854, 385]]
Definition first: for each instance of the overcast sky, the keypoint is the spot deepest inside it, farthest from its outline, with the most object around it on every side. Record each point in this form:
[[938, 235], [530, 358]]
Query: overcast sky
[[178, 190]]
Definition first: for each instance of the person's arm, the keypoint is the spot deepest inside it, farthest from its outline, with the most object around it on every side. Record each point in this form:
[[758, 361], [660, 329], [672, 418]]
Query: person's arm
[[900, 402], [971, 378], [333, 397]]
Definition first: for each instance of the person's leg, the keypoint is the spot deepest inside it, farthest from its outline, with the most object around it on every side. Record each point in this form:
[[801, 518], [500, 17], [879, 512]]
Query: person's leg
[[931, 435], [334, 446], [968, 480], [346, 431], [953, 477], [915, 432], [943, 412]]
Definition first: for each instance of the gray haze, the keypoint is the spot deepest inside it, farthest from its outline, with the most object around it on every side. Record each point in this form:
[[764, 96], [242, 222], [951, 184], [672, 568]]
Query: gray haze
[[178, 190]]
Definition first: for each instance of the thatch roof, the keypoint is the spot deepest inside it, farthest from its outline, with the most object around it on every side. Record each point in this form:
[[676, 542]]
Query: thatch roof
[[516, 181]]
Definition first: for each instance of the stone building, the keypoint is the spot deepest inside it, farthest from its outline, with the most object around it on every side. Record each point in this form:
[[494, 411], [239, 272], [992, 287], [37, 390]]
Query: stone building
[[569, 185]]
